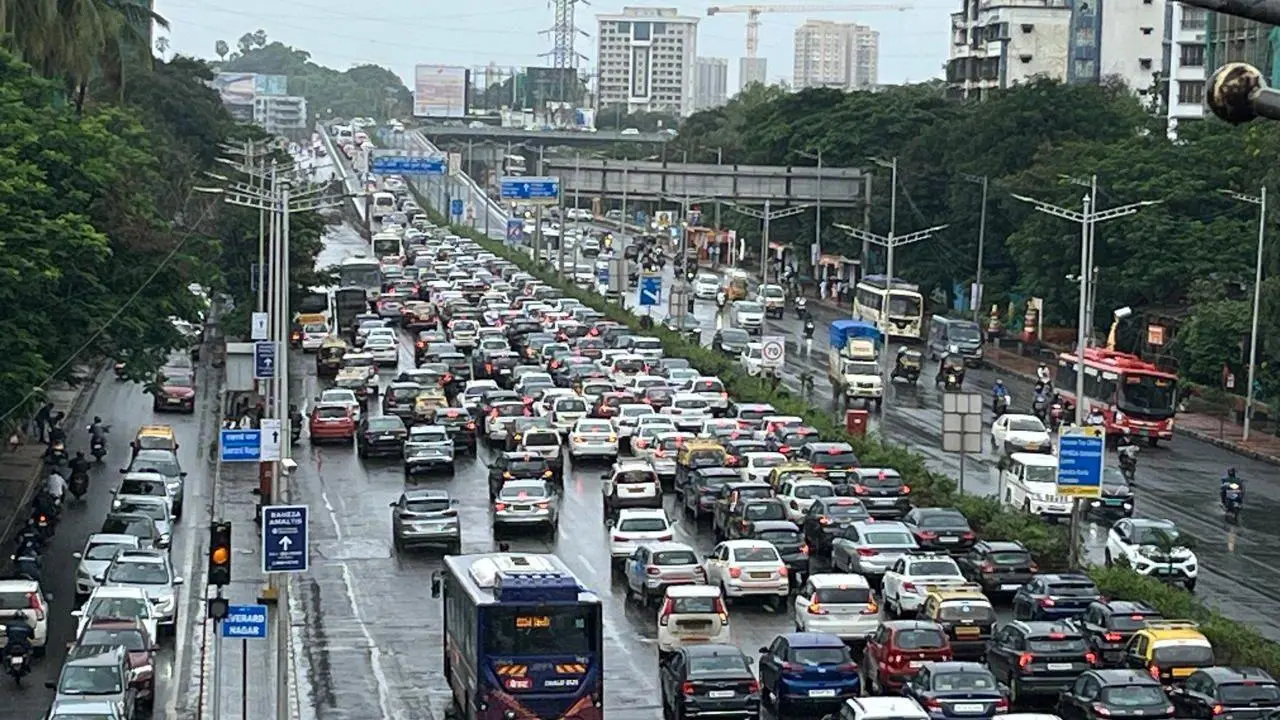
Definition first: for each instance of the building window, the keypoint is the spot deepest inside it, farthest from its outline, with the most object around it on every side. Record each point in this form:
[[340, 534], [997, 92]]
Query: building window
[[1144, 63], [1191, 92], [1084, 68], [659, 28], [641, 31], [624, 28], [1147, 30], [1193, 18], [1192, 56], [1085, 36]]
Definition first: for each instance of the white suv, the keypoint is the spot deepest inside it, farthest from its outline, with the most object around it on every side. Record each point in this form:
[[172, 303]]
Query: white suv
[[906, 581], [23, 599], [837, 603], [883, 708], [1151, 548], [636, 527]]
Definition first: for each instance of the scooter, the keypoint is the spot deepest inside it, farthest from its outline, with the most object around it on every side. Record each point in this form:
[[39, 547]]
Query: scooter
[[78, 485], [801, 303], [1128, 457], [1000, 405], [17, 664], [1232, 502]]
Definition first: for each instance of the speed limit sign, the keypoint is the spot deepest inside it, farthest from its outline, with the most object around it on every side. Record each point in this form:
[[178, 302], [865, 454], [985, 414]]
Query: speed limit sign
[[773, 348]]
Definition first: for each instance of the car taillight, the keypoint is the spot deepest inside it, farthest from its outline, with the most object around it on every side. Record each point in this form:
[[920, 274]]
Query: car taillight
[[1101, 710], [702, 573], [909, 587], [499, 506], [753, 686], [783, 571], [724, 396], [1218, 709], [987, 566], [488, 367], [860, 490], [1047, 602], [652, 571], [868, 552], [665, 538], [824, 520], [1002, 706], [872, 607], [688, 689], [640, 443], [33, 601], [391, 401], [1113, 637], [896, 660], [1091, 658], [784, 449], [927, 535], [905, 489], [1025, 659], [735, 572], [969, 535], [1034, 568], [933, 704], [816, 609]]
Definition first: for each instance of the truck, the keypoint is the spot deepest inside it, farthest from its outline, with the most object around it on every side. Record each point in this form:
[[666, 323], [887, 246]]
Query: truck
[[853, 365]]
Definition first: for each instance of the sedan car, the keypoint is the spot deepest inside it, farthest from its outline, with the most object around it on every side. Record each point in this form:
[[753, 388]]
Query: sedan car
[[870, 548], [1019, 433], [99, 550], [425, 517], [957, 690], [746, 568], [384, 348], [524, 504], [709, 680], [122, 602], [165, 464], [383, 435]]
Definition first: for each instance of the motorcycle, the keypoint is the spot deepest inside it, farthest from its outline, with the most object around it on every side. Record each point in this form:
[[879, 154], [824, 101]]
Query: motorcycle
[[1000, 404], [18, 664], [58, 453], [78, 485], [26, 567], [800, 307], [1232, 502], [951, 382], [1128, 457], [121, 373]]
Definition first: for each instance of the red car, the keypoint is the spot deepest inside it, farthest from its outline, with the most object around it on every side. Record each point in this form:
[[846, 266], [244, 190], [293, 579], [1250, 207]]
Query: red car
[[175, 390], [897, 651], [132, 635], [332, 422]]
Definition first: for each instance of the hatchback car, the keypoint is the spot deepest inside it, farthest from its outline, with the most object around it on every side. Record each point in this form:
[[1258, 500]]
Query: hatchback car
[[883, 491], [331, 423], [150, 571], [828, 518], [709, 681], [1054, 596], [381, 436], [1215, 692], [837, 603], [1038, 658], [654, 567], [957, 690], [165, 464], [99, 550], [999, 566], [429, 448], [1115, 695], [425, 518], [24, 601], [526, 504], [690, 615], [897, 651], [635, 527]]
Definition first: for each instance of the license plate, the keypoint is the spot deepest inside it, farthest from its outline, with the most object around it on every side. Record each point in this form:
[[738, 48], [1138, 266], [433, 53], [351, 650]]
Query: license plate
[[969, 707], [635, 490], [504, 371], [949, 539], [520, 508], [918, 663], [761, 575], [387, 437], [1011, 586], [16, 660], [1059, 666], [968, 631], [822, 693], [174, 401], [717, 694], [883, 501]]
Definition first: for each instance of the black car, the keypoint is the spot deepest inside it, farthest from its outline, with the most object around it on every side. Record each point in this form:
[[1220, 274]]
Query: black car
[[827, 519], [999, 566], [736, 448], [700, 488], [1038, 657], [499, 366], [1117, 497], [398, 399], [731, 341], [521, 425], [790, 440], [709, 679], [833, 460], [517, 466], [882, 490], [941, 529], [957, 690], [383, 435], [461, 427], [742, 519], [459, 367], [423, 341], [1237, 693], [1114, 695], [1053, 597], [787, 538], [667, 364], [1107, 626]]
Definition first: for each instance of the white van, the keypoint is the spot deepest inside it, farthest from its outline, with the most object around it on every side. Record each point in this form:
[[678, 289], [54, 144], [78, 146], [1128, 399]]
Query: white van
[[384, 203], [1029, 482]]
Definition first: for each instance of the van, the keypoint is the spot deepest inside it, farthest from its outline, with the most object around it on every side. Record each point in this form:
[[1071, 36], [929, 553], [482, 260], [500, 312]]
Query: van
[[384, 203], [1029, 482], [955, 336]]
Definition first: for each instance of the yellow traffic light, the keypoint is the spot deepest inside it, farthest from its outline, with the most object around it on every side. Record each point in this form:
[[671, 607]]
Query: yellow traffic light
[[221, 556]]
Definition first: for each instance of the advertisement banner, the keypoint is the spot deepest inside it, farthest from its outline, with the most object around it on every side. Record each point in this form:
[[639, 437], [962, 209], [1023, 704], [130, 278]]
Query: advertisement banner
[[271, 84], [440, 91], [236, 88]]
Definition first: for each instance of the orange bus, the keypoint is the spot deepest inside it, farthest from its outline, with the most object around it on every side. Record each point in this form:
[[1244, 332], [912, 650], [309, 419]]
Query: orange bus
[[1133, 395]]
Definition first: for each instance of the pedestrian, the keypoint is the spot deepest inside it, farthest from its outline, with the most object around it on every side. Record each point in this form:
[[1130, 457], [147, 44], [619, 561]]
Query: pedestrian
[[42, 418]]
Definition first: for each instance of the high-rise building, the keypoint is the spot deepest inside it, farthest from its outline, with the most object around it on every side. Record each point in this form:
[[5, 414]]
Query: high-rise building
[[1121, 39], [838, 55], [752, 70], [645, 59], [281, 114], [710, 83], [1182, 90], [999, 43]]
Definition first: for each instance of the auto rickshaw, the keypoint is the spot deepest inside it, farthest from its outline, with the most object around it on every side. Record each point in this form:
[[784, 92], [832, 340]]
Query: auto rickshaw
[[736, 286], [950, 372], [329, 356], [907, 366], [426, 404], [354, 379], [697, 454]]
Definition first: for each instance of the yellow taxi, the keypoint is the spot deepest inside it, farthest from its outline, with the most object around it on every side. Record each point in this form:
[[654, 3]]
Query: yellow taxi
[[355, 379], [789, 471], [154, 437], [964, 613], [696, 454], [1169, 650], [426, 404], [309, 331]]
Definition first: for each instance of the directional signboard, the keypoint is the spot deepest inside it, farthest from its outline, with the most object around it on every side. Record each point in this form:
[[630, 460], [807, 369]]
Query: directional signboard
[[1081, 452], [284, 538], [650, 290], [239, 445], [456, 207], [773, 348], [408, 162], [264, 360], [530, 190], [245, 622], [272, 429], [515, 231], [602, 273], [259, 329]]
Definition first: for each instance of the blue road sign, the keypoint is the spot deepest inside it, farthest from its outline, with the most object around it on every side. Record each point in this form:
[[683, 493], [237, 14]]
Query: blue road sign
[[456, 207], [650, 290], [245, 622], [239, 445], [602, 273], [395, 163], [530, 189], [1080, 457], [264, 360], [284, 538], [515, 231]]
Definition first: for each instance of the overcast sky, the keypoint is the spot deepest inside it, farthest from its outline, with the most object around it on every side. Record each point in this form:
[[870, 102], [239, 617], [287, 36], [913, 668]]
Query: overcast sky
[[400, 33]]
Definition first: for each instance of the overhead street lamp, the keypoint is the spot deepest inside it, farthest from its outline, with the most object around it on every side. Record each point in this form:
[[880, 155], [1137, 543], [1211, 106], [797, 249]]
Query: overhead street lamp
[[1261, 201], [982, 238], [767, 215], [815, 251], [1091, 263]]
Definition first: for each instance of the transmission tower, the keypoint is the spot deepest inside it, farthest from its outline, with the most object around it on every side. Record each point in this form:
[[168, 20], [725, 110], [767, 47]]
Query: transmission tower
[[564, 32]]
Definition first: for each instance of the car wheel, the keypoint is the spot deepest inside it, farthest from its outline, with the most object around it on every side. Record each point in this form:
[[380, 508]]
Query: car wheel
[[1191, 585]]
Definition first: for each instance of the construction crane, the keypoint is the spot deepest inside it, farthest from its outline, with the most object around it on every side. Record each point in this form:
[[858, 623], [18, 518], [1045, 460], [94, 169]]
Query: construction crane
[[753, 13]]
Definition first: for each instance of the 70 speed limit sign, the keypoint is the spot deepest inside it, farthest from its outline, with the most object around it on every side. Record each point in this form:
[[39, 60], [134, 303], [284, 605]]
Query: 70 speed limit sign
[[774, 350]]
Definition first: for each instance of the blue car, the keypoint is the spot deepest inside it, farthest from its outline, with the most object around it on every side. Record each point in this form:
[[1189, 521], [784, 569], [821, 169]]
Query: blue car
[[808, 672], [957, 691], [1054, 597]]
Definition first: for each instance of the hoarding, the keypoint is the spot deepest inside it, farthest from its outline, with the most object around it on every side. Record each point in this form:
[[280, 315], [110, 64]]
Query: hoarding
[[440, 91], [236, 88], [271, 84]]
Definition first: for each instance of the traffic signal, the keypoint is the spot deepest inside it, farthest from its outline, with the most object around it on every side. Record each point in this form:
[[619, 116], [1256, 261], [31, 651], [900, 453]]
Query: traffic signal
[[220, 553]]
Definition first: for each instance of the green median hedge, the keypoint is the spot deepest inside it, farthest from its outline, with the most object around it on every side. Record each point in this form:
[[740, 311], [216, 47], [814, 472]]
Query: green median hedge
[[1234, 643]]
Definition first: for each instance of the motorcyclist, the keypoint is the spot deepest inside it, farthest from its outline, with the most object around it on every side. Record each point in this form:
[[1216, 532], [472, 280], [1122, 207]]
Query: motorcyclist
[[1227, 481], [808, 328], [18, 635], [79, 464], [801, 303], [721, 298], [998, 392], [1042, 374], [26, 564], [1127, 453]]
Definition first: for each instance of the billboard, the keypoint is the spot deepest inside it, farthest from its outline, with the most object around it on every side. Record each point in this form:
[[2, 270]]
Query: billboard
[[236, 88], [440, 91], [271, 84], [543, 85]]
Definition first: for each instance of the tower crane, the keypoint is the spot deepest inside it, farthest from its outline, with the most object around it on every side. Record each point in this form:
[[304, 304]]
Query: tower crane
[[753, 13]]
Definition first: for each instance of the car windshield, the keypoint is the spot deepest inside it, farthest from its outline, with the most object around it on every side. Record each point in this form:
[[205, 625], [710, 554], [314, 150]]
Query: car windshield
[[1014, 558], [817, 656], [541, 439], [385, 424], [90, 680], [1052, 644], [155, 511], [1148, 395], [132, 640], [138, 573], [429, 436], [571, 405], [734, 336], [934, 567], [1247, 693], [962, 611], [904, 306], [1134, 696], [138, 526], [105, 551], [836, 459], [964, 681], [1154, 535], [764, 511], [841, 510], [707, 386], [142, 487], [755, 554], [675, 557], [427, 505], [1026, 424], [694, 605], [944, 521], [179, 380], [159, 461], [750, 307], [767, 461], [782, 537], [717, 663], [331, 412], [842, 596], [815, 490], [523, 492], [920, 639], [121, 608], [1073, 590], [527, 467], [642, 525]]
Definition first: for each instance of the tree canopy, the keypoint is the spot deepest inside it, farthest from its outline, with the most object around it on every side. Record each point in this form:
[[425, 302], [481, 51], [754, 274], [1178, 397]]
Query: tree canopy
[[1190, 258]]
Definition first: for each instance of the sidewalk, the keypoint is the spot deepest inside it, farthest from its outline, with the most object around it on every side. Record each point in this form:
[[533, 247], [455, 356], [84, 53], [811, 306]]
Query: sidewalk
[[22, 469]]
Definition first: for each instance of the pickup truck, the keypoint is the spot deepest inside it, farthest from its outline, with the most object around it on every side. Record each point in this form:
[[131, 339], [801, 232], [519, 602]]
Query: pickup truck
[[853, 361]]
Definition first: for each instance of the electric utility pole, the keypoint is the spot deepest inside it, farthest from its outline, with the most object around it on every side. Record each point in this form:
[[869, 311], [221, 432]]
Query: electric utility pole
[[767, 215], [1261, 201], [976, 295]]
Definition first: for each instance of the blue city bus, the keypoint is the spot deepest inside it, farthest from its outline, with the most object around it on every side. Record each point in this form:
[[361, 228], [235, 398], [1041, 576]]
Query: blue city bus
[[523, 638]]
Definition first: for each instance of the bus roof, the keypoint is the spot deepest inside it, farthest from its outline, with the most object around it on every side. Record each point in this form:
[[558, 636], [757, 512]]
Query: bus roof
[[360, 260], [492, 578], [1120, 362], [878, 281]]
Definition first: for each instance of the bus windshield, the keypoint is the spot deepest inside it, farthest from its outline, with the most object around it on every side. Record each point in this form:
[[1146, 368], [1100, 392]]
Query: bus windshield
[[1148, 395], [360, 274], [904, 305], [541, 630]]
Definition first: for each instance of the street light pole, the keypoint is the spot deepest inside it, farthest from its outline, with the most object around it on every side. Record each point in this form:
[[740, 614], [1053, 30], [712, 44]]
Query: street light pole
[[816, 251], [767, 215], [982, 238], [1261, 201]]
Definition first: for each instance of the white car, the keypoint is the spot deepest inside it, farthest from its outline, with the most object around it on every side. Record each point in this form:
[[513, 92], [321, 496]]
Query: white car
[[712, 390], [385, 350], [342, 397], [797, 495], [904, 584], [624, 422], [688, 410], [706, 286], [1151, 548], [773, 298], [742, 568], [473, 391], [24, 600], [752, 360], [152, 572], [313, 335], [593, 438], [748, 315], [636, 527], [566, 411], [97, 554], [123, 602], [1019, 433], [692, 614], [649, 348], [644, 440], [665, 448], [837, 603], [757, 465], [593, 389]]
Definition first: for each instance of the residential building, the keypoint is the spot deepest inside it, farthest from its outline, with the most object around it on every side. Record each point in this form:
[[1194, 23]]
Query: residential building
[[281, 114], [1185, 65], [1000, 43], [838, 55], [646, 59], [752, 70], [1124, 39], [710, 83]]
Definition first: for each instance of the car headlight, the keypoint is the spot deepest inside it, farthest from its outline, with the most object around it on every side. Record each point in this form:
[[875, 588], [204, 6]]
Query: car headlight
[[165, 604], [174, 485]]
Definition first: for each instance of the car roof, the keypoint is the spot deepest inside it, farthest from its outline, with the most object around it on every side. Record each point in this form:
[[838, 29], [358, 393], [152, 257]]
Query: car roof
[[763, 525], [641, 513], [746, 543], [813, 639], [671, 546], [112, 539], [426, 494], [1152, 523], [1035, 459], [1127, 607], [838, 580], [693, 591], [1125, 677], [712, 649], [143, 555]]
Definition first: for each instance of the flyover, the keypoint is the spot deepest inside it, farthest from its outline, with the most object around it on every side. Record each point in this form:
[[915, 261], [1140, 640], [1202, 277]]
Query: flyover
[[749, 184], [436, 133]]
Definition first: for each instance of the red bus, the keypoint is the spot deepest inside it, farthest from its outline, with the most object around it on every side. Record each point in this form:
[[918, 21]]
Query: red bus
[[1133, 395]]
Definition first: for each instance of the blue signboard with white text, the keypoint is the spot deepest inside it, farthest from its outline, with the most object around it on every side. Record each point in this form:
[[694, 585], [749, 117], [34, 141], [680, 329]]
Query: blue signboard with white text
[[536, 190], [245, 622], [515, 231], [264, 360], [406, 162], [239, 445], [650, 290], [284, 538], [1081, 452], [456, 207]]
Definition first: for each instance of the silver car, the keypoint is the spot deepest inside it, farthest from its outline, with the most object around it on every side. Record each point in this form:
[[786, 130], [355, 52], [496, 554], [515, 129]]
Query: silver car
[[425, 517], [429, 447], [871, 548], [150, 571], [654, 567], [77, 708], [165, 463], [500, 417], [98, 673], [99, 550], [526, 504], [156, 508]]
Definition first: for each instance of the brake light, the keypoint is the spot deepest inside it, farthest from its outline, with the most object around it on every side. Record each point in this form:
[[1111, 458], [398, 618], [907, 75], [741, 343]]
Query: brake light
[[1218, 709], [391, 401], [872, 608], [420, 345], [1025, 659], [665, 538], [724, 396], [753, 686], [1091, 658], [859, 490], [1113, 637], [815, 608], [933, 704], [783, 571], [987, 566], [868, 552], [722, 611], [652, 571], [33, 601], [896, 659], [735, 572], [909, 587], [1002, 706], [906, 490], [688, 689], [488, 367], [969, 535], [471, 426], [499, 506], [1048, 602], [927, 535], [824, 520]]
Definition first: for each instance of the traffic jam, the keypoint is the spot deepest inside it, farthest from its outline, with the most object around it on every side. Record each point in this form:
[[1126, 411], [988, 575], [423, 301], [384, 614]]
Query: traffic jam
[[882, 609]]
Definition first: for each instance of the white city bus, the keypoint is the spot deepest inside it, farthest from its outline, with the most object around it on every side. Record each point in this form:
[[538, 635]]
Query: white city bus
[[906, 306]]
